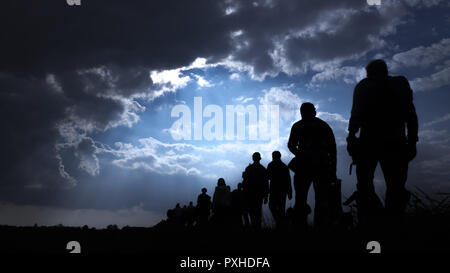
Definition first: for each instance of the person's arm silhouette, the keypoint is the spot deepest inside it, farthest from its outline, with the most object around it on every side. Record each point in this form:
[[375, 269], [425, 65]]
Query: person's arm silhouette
[[412, 124], [293, 141], [266, 185], [356, 113], [288, 182], [332, 150]]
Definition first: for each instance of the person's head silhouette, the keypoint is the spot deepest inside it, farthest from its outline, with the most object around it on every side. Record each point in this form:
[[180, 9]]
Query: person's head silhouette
[[221, 182], [377, 69], [307, 110], [276, 155], [256, 157], [204, 190], [239, 186]]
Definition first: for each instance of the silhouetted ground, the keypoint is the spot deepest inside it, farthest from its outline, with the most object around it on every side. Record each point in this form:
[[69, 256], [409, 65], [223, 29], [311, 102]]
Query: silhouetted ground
[[431, 234]]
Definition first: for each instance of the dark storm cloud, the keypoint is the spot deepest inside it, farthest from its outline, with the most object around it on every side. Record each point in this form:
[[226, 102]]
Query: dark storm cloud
[[95, 94], [29, 111], [295, 36], [34, 108], [83, 65], [266, 22], [49, 36], [352, 35]]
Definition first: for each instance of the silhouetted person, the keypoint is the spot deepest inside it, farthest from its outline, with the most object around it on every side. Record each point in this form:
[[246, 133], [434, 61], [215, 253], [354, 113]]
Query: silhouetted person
[[191, 213], [382, 111], [256, 189], [279, 188], [313, 144], [221, 201], [203, 207], [184, 215], [245, 213], [335, 202], [170, 214], [238, 208], [178, 214]]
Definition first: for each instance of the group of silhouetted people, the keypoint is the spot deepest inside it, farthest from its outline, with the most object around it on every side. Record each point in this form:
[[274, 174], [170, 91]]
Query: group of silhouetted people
[[183, 216], [382, 113], [242, 207]]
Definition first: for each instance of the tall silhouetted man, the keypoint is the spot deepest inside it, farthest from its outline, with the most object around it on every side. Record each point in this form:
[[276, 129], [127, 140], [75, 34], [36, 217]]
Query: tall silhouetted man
[[382, 111], [313, 144], [203, 207], [279, 187], [256, 189]]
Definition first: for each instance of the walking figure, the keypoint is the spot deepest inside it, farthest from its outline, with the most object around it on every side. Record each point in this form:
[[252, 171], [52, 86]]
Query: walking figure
[[313, 144], [279, 187], [221, 204], [238, 207], [203, 207], [382, 111], [256, 189]]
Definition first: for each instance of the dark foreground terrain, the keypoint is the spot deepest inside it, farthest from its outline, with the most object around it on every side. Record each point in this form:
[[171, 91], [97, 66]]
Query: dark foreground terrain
[[165, 249], [431, 237]]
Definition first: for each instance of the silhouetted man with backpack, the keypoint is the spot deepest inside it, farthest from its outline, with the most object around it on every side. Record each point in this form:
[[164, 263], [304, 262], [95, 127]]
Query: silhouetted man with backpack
[[256, 189], [382, 110], [279, 187], [313, 144]]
